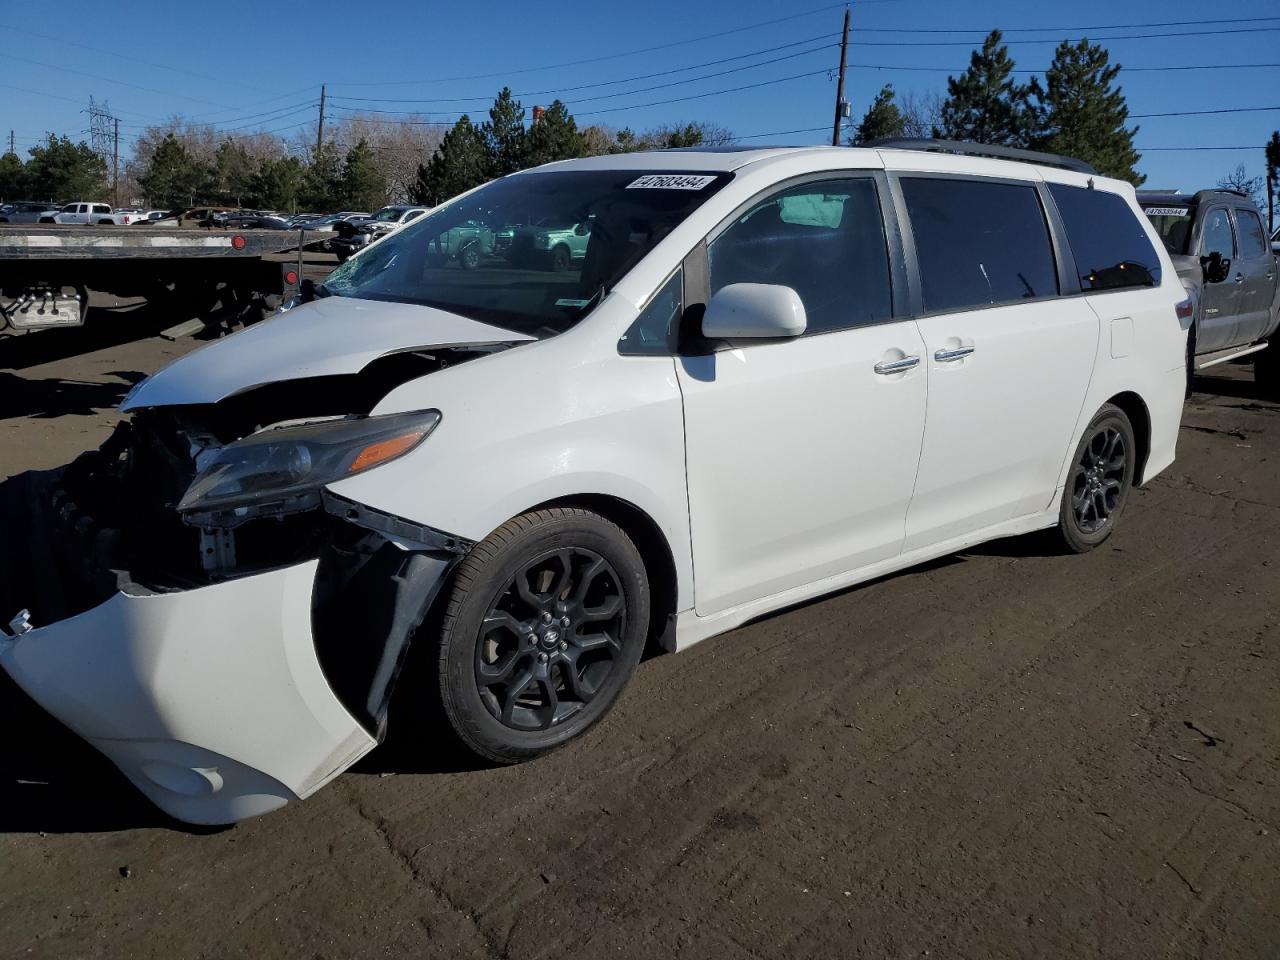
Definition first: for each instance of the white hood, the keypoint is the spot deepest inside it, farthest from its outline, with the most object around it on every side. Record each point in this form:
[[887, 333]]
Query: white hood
[[332, 336]]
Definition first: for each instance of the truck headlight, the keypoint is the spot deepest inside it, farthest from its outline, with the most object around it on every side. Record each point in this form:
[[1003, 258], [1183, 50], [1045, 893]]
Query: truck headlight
[[282, 470]]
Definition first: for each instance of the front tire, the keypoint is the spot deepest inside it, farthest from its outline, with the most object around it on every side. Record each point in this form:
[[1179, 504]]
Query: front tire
[[560, 259], [1099, 482], [546, 621]]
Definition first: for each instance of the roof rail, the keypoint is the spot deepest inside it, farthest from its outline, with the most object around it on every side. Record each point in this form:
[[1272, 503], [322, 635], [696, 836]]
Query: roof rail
[[970, 149]]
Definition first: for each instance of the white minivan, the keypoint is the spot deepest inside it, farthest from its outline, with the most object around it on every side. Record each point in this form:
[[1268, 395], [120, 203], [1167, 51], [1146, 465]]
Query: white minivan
[[773, 374]]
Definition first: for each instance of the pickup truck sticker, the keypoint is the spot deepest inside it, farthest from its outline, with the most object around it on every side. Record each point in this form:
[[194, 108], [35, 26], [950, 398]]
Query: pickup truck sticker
[[669, 181], [1167, 211]]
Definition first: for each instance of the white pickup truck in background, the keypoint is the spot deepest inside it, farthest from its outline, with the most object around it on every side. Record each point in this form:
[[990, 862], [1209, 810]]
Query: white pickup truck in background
[[85, 212]]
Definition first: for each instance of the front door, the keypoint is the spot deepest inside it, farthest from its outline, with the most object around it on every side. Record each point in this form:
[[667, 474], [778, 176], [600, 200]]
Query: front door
[[801, 454], [1008, 360], [1219, 298]]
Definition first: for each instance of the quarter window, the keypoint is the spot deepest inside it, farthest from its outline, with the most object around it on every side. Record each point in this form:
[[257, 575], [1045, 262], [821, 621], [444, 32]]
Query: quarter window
[[824, 240], [1253, 241], [979, 242], [651, 333], [1108, 241]]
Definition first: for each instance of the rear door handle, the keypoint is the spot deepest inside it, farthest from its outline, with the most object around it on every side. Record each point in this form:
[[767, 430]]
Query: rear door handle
[[950, 356], [886, 367]]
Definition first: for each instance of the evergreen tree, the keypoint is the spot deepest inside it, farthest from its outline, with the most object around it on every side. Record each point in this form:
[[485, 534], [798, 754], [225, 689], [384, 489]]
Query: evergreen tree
[[505, 134], [882, 119], [62, 170], [277, 184], [1082, 114], [175, 178], [554, 137], [462, 161], [322, 186], [364, 186], [985, 104], [233, 171], [12, 177], [1273, 179]]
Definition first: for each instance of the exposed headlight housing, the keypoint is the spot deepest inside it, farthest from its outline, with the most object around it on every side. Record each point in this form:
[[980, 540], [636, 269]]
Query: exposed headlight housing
[[282, 470]]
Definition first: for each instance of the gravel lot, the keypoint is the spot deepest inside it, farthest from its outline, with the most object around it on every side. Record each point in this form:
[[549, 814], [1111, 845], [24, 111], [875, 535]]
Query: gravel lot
[[1006, 753]]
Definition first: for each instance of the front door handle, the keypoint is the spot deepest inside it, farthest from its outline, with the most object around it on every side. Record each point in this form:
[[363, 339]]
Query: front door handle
[[1239, 278], [951, 356], [886, 367]]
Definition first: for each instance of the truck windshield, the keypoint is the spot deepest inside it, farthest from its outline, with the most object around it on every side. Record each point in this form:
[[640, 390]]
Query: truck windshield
[[491, 257], [1173, 223]]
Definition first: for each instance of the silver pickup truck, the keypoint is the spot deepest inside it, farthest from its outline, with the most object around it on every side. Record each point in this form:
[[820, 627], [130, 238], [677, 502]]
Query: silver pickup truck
[[1220, 249]]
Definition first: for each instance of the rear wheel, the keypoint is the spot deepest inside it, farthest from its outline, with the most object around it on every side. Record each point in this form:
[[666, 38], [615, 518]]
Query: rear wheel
[[545, 623], [1099, 482], [560, 259], [470, 256]]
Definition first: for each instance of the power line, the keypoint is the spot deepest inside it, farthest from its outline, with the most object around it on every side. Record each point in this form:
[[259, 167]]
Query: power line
[[1127, 36], [1202, 113], [607, 83], [616, 56], [1097, 26]]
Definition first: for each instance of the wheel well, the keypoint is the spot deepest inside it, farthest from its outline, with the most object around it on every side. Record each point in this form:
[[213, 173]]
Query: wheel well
[[1136, 411], [654, 551]]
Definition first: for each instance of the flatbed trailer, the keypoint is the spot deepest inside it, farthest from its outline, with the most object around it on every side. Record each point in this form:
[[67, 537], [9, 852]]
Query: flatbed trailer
[[49, 273]]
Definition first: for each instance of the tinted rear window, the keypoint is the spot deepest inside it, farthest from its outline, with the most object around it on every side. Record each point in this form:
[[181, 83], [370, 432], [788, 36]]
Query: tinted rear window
[[1108, 242], [979, 243]]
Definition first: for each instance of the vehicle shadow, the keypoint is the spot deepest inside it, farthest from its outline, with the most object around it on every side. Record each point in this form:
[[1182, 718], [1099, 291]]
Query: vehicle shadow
[[1241, 388], [56, 397], [104, 328]]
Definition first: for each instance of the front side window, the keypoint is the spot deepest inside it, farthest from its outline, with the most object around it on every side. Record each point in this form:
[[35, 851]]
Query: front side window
[[70, 208], [825, 240], [979, 242], [1253, 239], [1109, 243], [514, 253], [1216, 237]]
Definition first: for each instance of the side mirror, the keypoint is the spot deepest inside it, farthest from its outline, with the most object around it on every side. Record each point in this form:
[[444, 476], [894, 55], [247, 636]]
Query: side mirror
[[582, 229], [1216, 267], [754, 311]]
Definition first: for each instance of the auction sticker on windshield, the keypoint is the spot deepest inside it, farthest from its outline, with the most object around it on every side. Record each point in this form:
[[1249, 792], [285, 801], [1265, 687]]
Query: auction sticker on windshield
[[1167, 211], [667, 181]]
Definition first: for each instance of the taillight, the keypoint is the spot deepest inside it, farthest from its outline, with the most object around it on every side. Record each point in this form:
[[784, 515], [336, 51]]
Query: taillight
[[291, 277], [1186, 309], [237, 242]]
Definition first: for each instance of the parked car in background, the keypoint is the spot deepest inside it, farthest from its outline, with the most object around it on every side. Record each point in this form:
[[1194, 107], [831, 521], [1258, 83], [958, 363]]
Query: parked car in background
[[1221, 252], [133, 213], [465, 244], [27, 211], [365, 231], [84, 212], [521, 473], [251, 220]]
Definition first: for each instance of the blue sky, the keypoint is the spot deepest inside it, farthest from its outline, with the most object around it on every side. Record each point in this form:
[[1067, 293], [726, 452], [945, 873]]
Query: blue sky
[[241, 64]]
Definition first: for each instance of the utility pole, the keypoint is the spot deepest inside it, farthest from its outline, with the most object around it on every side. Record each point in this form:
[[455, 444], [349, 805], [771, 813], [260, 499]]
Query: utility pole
[[320, 129], [11, 143], [115, 166], [840, 104]]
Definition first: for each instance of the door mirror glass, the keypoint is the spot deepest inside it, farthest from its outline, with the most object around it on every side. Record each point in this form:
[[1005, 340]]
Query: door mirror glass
[[754, 311]]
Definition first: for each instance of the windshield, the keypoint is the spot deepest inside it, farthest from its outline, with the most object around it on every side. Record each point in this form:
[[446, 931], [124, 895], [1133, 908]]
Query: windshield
[[467, 258], [388, 213], [1173, 223]]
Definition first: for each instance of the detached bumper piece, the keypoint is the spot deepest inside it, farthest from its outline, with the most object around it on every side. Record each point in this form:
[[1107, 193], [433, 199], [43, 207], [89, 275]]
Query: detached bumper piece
[[225, 700]]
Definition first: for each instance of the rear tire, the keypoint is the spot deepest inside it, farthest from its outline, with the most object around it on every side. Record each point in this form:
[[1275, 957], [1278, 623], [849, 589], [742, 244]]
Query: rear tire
[[1099, 481], [545, 623], [560, 259]]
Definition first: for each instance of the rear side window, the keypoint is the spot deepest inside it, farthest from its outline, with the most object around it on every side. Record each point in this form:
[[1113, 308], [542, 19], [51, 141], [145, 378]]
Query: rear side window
[[979, 243], [1253, 241], [1109, 244]]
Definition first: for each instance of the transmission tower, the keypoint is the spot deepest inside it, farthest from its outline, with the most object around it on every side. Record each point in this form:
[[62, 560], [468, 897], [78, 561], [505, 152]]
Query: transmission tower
[[104, 140]]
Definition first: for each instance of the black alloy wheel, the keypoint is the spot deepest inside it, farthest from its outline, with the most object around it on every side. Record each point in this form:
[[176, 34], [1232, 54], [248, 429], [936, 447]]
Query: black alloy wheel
[[545, 622], [550, 639], [560, 259], [1099, 482]]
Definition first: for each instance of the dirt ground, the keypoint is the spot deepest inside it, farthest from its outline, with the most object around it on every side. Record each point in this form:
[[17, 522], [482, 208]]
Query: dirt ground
[[1007, 753]]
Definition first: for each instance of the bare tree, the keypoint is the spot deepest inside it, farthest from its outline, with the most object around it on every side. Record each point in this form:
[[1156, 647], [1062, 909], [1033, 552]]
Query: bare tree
[[921, 113], [1239, 179]]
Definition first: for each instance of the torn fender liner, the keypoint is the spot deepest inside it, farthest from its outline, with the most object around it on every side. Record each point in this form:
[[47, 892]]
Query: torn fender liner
[[210, 700]]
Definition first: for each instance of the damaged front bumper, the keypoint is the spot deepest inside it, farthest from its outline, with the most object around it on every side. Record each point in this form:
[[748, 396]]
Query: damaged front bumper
[[229, 699]]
